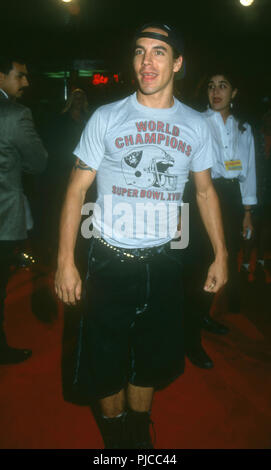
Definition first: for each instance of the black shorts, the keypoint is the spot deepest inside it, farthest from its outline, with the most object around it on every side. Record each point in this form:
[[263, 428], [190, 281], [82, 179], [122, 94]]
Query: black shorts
[[132, 326]]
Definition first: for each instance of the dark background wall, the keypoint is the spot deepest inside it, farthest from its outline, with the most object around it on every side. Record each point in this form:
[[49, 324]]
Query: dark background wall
[[49, 30]]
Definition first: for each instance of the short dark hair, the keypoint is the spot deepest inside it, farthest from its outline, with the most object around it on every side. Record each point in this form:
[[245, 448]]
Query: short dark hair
[[6, 63]]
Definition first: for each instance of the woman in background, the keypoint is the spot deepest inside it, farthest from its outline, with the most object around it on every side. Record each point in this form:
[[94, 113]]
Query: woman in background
[[234, 178], [233, 173]]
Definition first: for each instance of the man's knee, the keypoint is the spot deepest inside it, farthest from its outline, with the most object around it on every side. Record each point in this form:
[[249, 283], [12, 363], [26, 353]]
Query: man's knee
[[113, 405], [140, 398]]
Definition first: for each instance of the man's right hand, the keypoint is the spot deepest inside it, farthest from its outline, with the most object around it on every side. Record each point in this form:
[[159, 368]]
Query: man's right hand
[[68, 284]]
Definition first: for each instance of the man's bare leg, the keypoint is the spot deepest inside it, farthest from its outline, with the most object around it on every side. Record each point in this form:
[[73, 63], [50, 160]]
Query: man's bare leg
[[112, 423], [113, 405], [140, 398], [119, 433]]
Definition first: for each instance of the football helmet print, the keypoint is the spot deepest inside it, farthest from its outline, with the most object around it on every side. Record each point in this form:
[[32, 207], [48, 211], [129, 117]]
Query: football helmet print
[[149, 167]]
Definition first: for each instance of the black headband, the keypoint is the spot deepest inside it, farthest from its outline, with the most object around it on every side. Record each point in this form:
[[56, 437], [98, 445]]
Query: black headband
[[160, 37], [173, 38]]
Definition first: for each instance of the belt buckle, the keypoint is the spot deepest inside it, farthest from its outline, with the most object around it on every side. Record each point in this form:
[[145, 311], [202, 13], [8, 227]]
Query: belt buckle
[[136, 254]]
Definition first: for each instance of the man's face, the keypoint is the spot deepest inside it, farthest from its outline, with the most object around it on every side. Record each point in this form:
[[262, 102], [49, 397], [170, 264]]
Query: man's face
[[79, 100], [154, 64], [15, 81], [220, 93]]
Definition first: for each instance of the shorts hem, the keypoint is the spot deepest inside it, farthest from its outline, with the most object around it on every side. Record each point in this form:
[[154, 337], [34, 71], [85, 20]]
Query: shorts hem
[[157, 384], [100, 396]]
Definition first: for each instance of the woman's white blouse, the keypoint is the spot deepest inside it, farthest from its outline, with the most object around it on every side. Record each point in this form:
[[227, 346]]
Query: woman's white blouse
[[230, 144]]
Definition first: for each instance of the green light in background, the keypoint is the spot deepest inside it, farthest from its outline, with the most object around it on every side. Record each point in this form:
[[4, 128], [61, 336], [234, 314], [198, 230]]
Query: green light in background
[[89, 73], [57, 74], [81, 73], [84, 73]]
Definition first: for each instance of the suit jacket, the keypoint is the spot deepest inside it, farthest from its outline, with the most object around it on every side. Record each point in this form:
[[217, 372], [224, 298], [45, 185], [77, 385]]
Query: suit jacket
[[21, 150]]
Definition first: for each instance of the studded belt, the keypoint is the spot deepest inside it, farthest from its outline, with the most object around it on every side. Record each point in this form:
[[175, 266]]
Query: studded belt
[[226, 180], [133, 254]]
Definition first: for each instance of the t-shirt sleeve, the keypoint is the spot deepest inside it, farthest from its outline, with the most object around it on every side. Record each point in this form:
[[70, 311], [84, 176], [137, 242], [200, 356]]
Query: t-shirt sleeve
[[203, 156], [91, 147]]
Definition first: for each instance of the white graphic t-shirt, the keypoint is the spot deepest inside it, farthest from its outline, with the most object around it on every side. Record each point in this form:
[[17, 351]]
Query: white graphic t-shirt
[[142, 156]]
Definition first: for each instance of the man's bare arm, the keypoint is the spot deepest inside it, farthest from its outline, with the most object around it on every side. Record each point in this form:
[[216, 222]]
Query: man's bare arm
[[211, 216], [79, 164], [67, 280]]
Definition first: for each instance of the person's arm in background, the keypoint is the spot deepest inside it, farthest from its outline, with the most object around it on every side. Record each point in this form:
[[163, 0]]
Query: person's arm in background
[[28, 143], [209, 208], [68, 283], [248, 187]]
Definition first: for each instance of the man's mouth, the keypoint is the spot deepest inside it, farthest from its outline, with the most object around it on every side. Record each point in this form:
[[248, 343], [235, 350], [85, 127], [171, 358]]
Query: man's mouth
[[217, 100], [148, 76]]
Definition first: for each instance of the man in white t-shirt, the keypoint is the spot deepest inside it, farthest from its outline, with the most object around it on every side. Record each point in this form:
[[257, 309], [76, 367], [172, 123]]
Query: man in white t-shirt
[[141, 149]]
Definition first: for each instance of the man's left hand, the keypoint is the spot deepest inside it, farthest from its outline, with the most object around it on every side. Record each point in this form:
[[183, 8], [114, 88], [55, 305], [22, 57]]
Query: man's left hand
[[217, 275]]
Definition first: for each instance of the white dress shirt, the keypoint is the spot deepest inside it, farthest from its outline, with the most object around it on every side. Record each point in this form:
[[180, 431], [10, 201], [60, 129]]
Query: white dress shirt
[[230, 144]]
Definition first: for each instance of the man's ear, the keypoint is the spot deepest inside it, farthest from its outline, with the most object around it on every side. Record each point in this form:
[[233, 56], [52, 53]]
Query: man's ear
[[2, 77], [234, 93], [178, 64]]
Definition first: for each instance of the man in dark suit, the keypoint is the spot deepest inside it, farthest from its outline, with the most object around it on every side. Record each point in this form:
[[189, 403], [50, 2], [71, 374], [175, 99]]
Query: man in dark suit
[[21, 150]]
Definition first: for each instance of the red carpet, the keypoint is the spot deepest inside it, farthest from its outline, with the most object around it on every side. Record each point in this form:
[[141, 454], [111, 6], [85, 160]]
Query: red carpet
[[228, 407]]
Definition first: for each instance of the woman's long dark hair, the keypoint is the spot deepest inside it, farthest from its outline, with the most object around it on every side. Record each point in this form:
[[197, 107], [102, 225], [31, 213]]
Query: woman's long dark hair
[[234, 82]]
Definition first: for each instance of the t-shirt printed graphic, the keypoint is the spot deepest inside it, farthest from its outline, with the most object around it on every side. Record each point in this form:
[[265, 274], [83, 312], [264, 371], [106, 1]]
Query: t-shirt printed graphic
[[149, 167], [142, 156]]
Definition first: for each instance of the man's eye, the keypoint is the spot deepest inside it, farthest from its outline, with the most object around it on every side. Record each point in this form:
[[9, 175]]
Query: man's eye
[[159, 53], [138, 51], [210, 87]]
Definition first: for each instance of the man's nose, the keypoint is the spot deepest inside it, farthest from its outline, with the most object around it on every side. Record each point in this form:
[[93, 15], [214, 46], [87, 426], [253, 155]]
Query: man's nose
[[25, 81], [147, 58]]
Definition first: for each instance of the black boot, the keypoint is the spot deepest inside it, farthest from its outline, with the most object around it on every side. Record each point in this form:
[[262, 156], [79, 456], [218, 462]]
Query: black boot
[[113, 432], [213, 326], [138, 430], [198, 356], [9, 355]]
